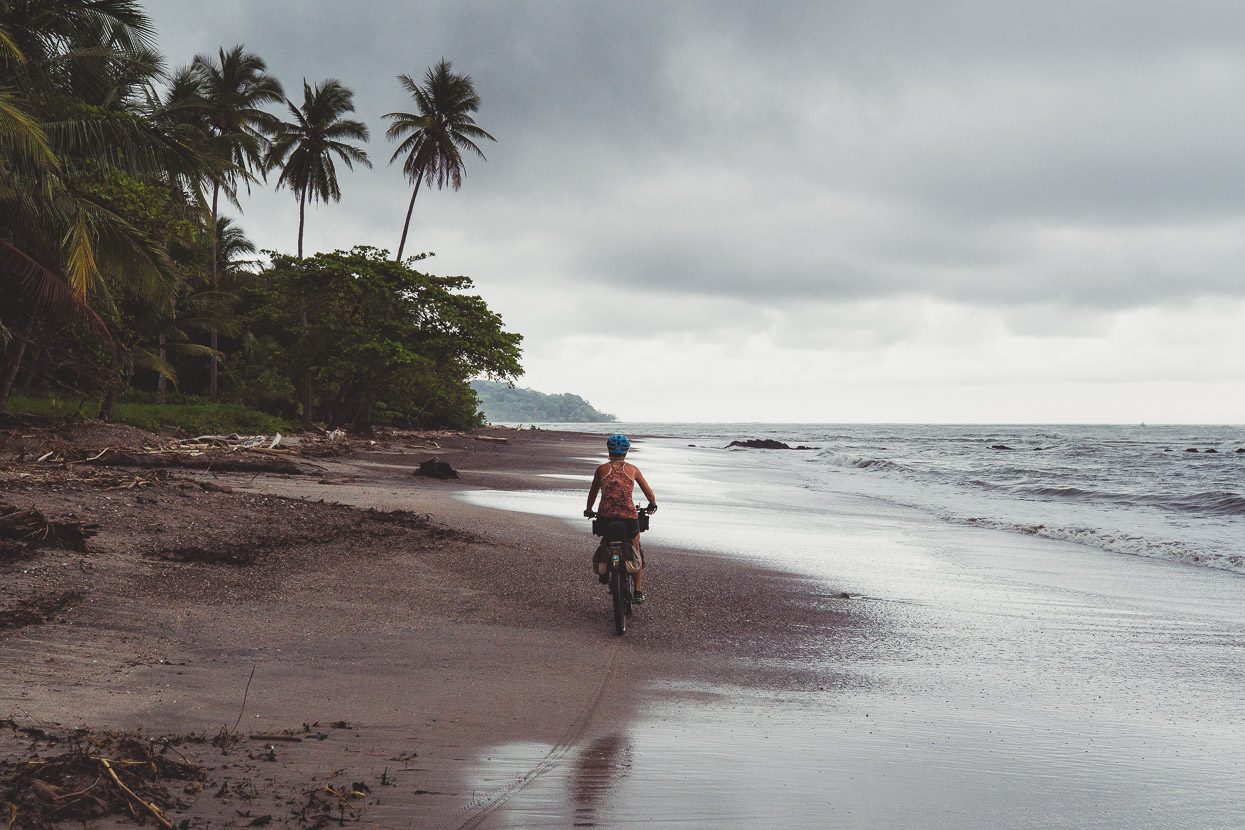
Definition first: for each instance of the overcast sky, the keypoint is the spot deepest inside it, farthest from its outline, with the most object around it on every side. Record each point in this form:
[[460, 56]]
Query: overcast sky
[[866, 211]]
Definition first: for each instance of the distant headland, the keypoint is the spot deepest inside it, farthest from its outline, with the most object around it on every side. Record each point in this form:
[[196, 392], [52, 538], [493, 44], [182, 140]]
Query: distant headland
[[500, 402]]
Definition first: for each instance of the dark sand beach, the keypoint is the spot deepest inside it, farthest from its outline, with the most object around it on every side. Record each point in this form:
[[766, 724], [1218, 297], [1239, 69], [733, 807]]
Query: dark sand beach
[[284, 637], [334, 640]]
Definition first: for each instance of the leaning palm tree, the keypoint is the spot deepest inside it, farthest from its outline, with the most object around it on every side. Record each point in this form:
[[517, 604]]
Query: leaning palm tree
[[233, 89], [434, 137], [304, 148]]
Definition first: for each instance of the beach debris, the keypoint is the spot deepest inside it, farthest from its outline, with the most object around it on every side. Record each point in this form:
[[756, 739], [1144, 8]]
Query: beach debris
[[234, 452], [235, 458], [492, 439], [436, 468], [30, 528], [78, 478], [79, 776]]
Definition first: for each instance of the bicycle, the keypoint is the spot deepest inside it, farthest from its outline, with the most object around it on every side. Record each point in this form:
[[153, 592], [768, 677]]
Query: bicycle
[[619, 561]]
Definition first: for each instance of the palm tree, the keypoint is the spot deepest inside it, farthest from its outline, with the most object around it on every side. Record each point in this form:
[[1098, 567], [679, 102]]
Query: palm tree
[[304, 148], [200, 308], [433, 138], [63, 248], [310, 141], [232, 91]]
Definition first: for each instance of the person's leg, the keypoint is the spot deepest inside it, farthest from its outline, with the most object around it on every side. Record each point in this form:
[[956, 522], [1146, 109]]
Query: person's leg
[[598, 559], [639, 574]]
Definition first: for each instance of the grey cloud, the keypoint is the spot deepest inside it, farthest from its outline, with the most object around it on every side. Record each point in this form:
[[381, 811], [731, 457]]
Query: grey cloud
[[979, 152]]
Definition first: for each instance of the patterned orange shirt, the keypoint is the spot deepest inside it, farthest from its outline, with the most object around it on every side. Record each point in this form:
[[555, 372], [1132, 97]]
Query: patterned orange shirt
[[617, 489]]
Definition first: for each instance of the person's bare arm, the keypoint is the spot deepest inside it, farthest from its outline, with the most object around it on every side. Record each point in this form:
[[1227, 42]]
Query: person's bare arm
[[593, 490], [648, 491]]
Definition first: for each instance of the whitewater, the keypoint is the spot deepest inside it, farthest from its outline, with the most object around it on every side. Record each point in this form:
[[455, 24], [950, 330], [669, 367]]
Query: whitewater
[[1169, 492]]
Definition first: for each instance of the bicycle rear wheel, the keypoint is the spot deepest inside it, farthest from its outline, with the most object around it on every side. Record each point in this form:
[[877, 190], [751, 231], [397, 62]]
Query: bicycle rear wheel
[[617, 588]]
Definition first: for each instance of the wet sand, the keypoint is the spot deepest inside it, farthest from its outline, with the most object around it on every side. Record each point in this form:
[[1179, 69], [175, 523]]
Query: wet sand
[[458, 672], [981, 679], [968, 679]]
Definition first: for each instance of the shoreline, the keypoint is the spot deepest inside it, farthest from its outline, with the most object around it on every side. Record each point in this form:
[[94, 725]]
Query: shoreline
[[493, 632], [465, 670]]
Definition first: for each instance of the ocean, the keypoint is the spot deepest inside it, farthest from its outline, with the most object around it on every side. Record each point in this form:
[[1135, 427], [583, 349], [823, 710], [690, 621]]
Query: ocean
[[1171, 492], [1047, 629]]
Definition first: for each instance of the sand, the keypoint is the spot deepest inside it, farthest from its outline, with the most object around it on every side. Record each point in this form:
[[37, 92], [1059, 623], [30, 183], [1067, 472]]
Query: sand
[[405, 653], [808, 658]]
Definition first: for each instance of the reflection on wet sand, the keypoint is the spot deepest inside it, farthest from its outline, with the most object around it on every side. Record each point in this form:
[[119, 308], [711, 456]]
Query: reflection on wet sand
[[598, 768]]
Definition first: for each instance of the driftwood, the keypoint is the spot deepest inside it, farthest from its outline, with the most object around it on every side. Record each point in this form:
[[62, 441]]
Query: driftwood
[[491, 439], [150, 806], [32, 528], [220, 462]]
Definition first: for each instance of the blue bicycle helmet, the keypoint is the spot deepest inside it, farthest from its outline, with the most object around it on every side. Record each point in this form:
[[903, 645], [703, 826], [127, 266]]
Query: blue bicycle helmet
[[617, 444]]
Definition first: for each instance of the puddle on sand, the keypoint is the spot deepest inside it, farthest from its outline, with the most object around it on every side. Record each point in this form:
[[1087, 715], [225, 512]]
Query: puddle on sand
[[855, 761]]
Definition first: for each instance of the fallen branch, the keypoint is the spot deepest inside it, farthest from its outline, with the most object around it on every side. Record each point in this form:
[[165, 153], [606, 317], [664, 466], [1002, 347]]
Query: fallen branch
[[151, 806]]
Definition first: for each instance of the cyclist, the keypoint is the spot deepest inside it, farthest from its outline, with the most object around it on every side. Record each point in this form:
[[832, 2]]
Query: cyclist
[[615, 480]]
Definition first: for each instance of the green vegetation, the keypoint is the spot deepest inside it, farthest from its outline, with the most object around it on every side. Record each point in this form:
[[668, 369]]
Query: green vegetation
[[120, 276], [189, 417], [503, 403], [375, 339]]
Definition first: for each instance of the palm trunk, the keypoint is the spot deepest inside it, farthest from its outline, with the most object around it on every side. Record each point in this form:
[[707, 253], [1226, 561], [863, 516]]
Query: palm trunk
[[302, 301], [407, 225], [162, 384], [215, 284], [302, 220], [109, 405], [11, 375], [31, 369]]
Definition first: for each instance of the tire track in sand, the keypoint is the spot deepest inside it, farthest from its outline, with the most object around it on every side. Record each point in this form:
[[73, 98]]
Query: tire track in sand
[[475, 812]]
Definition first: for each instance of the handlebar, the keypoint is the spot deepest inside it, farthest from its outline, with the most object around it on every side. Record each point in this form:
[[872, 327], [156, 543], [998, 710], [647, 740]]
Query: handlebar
[[650, 510]]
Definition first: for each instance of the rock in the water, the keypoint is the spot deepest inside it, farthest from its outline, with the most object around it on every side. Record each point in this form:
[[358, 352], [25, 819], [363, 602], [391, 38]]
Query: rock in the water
[[436, 468], [1242, 449], [1000, 447], [1212, 449], [1191, 449], [760, 444]]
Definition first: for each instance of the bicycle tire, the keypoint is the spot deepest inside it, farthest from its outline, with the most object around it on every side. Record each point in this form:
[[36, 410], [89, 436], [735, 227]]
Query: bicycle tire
[[628, 586], [617, 575]]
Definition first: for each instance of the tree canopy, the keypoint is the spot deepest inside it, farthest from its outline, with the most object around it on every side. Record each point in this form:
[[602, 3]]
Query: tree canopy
[[120, 276], [382, 340]]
